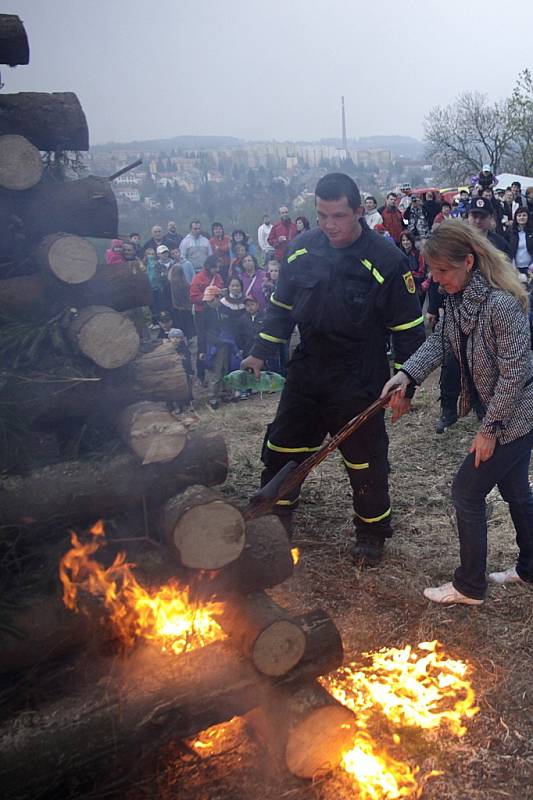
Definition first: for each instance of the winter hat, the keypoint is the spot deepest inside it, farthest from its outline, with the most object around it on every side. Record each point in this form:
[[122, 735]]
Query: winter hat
[[175, 333]]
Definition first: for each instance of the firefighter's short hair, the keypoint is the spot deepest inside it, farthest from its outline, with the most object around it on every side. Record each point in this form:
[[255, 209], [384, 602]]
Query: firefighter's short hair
[[337, 185]]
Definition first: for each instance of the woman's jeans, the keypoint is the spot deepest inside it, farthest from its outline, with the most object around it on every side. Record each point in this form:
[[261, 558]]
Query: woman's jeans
[[508, 468]]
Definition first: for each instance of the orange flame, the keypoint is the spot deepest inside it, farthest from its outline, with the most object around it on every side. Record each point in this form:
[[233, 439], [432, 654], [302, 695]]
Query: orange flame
[[423, 690], [166, 615], [295, 553]]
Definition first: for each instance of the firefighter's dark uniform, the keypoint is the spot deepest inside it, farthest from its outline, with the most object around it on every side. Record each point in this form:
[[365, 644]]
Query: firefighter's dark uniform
[[346, 302]]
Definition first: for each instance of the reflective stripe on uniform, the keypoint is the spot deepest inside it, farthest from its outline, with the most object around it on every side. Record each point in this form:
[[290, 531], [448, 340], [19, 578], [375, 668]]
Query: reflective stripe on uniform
[[279, 449], [287, 502], [350, 465], [270, 338], [406, 325], [371, 268], [280, 304], [296, 254], [397, 366], [374, 519]]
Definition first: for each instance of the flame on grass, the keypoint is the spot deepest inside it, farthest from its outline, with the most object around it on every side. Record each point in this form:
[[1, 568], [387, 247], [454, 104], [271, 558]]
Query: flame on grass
[[420, 688], [165, 615], [295, 553]]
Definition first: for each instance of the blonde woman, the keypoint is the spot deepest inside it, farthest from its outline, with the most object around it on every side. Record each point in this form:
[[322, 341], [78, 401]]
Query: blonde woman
[[486, 325]]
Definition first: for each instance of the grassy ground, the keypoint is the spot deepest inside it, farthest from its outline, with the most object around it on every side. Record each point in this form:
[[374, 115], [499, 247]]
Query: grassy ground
[[384, 607]]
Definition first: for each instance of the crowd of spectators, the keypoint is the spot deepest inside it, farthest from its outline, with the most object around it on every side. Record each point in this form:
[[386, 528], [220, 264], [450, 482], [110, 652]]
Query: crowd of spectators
[[211, 288]]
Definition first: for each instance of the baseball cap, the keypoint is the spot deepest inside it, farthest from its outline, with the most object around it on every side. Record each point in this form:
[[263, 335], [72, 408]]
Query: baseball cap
[[162, 249], [480, 205], [486, 167], [175, 333], [249, 299]]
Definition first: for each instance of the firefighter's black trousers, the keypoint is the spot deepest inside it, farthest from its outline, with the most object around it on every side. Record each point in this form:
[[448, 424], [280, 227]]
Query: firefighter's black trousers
[[319, 398]]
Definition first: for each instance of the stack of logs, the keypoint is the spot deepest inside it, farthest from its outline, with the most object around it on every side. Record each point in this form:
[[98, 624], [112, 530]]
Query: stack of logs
[[135, 704], [131, 705]]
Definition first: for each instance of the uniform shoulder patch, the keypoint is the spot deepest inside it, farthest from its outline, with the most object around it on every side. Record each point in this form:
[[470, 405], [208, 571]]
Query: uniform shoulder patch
[[409, 282]]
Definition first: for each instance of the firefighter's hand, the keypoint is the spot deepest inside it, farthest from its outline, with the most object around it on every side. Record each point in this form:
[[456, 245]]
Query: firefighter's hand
[[398, 403], [483, 448], [253, 363]]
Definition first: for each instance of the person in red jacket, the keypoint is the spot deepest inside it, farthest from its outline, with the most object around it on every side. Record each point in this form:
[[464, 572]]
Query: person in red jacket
[[392, 217], [282, 233]]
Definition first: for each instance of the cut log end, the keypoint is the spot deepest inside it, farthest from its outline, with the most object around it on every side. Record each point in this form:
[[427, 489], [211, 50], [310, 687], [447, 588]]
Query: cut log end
[[105, 336], [317, 743], [21, 166], [70, 258], [152, 432], [279, 648], [210, 536]]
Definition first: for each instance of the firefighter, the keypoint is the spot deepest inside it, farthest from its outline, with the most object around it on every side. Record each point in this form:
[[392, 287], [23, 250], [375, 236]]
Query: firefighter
[[347, 290]]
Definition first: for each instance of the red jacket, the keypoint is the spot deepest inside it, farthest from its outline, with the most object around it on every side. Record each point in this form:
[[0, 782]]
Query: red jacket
[[221, 247], [199, 284], [393, 222], [286, 229]]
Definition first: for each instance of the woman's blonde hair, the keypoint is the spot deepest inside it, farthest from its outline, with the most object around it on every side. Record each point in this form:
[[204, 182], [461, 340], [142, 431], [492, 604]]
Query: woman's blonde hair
[[453, 240]]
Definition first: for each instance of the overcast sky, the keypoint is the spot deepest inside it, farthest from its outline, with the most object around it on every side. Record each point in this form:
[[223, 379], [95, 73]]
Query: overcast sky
[[273, 69]]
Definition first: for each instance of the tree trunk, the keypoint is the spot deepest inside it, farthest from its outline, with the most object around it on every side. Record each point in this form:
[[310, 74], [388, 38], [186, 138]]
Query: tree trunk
[[306, 731], [46, 400], [105, 336], [265, 562], [152, 432], [267, 634], [86, 207], [148, 699], [119, 286], [51, 121], [14, 47], [85, 490], [21, 166], [206, 531], [68, 258]]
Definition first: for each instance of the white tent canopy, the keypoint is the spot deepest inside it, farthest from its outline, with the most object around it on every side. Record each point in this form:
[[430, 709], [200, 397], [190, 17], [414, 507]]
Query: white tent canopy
[[506, 179]]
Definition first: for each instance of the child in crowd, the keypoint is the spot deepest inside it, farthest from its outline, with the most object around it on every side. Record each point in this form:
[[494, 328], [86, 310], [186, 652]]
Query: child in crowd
[[271, 280], [177, 337], [222, 315]]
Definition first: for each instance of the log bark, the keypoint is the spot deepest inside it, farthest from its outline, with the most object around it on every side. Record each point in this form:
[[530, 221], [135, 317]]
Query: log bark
[[151, 432], [148, 699], [21, 166], [68, 258], [14, 47], [306, 730], [120, 286], [86, 207], [262, 631], [105, 336], [84, 490], [265, 562], [21, 295], [204, 529], [46, 632], [46, 400], [51, 121]]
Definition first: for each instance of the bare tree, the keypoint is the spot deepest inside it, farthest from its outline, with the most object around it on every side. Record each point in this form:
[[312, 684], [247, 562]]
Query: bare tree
[[520, 159], [461, 137]]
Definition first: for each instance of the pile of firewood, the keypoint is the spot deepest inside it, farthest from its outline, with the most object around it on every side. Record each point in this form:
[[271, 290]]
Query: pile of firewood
[[134, 703], [75, 366]]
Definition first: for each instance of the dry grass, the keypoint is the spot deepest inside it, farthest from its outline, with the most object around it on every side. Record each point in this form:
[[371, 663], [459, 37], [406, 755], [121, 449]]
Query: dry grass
[[385, 607]]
